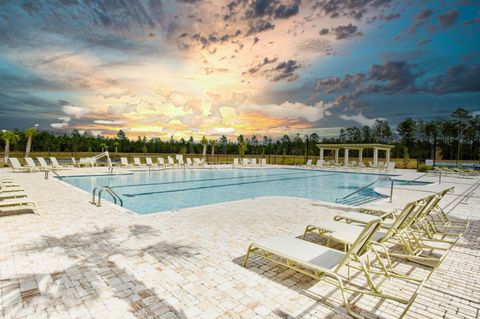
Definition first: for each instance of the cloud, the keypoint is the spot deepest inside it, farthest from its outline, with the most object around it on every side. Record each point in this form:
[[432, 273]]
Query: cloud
[[448, 19], [65, 122], [75, 111], [260, 26], [423, 42], [351, 9], [457, 79], [324, 31], [292, 110], [345, 31], [360, 118], [285, 71], [109, 122], [223, 131], [284, 12], [418, 20]]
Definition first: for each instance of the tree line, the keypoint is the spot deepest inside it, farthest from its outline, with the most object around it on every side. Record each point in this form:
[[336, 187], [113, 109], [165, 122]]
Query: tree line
[[457, 137]]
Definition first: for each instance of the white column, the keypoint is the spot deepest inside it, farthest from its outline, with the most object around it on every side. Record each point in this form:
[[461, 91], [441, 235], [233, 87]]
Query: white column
[[375, 156], [360, 157], [336, 156], [321, 155], [346, 157], [387, 157]]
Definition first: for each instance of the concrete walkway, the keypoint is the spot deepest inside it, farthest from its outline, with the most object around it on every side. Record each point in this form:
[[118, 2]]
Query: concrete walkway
[[75, 260]]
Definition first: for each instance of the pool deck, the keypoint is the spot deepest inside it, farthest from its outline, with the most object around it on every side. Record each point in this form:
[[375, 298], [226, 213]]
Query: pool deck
[[76, 260]]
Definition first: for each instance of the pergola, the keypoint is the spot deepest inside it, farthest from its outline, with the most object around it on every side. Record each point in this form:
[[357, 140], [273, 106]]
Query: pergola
[[356, 147]]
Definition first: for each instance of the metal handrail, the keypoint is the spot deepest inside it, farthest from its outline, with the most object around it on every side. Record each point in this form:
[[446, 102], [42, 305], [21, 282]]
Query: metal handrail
[[107, 189], [366, 186]]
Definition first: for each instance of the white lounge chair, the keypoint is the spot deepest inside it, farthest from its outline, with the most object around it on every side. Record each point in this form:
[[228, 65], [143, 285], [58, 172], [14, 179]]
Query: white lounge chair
[[74, 162], [245, 161], [254, 162], [16, 166], [309, 163], [31, 164], [17, 203], [235, 162], [170, 161], [136, 161], [148, 161], [263, 162], [54, 163], [43, 164], [390, 166], [326, 264], [124, 162], [320, 163], [161, 162], [189, 162]]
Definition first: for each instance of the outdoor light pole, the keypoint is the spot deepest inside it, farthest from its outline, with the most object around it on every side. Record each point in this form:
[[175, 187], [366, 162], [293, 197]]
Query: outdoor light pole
[[306, 155]]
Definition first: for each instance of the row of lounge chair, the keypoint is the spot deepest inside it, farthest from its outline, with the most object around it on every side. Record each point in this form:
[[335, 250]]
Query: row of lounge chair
[[381, 166], [170, 163], [13, 197], [374, 243], [31, 166], [248, 162], [457, 171]]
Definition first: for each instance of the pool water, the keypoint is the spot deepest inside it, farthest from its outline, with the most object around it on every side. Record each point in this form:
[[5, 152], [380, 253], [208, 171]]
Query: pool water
[[165, 190]]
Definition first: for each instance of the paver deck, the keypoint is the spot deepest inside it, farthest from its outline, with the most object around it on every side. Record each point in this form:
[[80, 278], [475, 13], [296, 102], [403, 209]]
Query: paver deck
[[75, 260]]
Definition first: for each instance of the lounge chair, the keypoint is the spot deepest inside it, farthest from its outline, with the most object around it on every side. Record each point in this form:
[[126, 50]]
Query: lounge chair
[[11, 193], [148, 161], [136, 161], [324, 263], [161, 162], [245, 161], [308, 163], [235, 162], [189, 162], [17, 203], [16, 166], [254, 162], [170, 161], [10, 187], [43, 164], [31, 164], [320, 163], [180, 161], [54, 163], [124, 162], [74, 162], [263, 162]]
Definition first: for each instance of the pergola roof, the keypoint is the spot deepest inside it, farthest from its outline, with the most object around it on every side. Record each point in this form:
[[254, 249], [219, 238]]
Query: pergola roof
[[356, 146]]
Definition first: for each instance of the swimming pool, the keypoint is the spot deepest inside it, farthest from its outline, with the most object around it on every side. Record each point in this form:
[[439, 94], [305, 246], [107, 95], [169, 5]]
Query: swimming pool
[[164, 190]]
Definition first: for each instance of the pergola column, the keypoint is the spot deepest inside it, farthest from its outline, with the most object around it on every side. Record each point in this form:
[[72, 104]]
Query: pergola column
[[346, 157], [321, 155], [336, 156], [360, 157], [375, 156], [387, 156]]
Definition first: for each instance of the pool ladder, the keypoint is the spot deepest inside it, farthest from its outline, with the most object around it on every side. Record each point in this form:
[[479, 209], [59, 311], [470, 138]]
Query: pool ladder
[[108, 190]]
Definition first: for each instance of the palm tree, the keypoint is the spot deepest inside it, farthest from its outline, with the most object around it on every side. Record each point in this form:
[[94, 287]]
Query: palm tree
[[104, 147], [116, 144], [213, 143], [204, 143], [29, 134], [9, 138]]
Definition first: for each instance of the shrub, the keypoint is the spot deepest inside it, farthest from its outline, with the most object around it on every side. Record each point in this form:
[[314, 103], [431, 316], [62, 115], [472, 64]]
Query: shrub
[[422, 168]]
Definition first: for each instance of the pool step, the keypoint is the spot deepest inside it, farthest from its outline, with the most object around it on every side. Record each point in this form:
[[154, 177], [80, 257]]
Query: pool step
[[362, 198]]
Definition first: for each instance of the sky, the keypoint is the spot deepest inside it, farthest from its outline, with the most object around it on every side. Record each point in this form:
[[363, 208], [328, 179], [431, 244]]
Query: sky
[[210, 68]]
